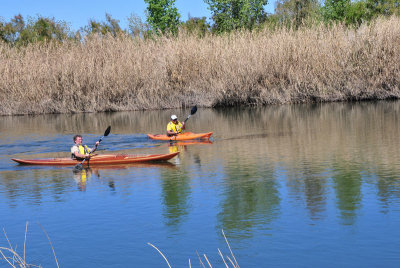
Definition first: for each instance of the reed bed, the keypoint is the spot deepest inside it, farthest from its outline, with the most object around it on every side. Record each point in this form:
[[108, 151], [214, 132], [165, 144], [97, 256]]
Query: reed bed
[[314, 64]]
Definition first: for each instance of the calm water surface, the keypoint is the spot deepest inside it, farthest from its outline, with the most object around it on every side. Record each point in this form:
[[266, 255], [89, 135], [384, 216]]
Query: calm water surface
[[291, 186]]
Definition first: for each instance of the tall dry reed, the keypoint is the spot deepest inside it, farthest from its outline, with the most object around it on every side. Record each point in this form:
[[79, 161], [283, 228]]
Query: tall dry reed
[[284, 66]]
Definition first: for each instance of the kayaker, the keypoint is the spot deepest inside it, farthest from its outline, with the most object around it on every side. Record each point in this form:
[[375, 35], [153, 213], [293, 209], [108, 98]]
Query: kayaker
[[174, 127], [79, 151]]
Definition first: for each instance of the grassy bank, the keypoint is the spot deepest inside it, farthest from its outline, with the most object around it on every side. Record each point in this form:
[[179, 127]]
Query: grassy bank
[[108, 74]]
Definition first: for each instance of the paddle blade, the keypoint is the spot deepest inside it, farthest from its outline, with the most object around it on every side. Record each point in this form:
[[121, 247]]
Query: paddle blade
[[78, 167], [108, 130], [194, 110]]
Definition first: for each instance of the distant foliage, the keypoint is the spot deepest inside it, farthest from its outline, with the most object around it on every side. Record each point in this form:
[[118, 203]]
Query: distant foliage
[[356, 12], [351, 13], [40, 29], [382, 7], [137, 28], [163, 19], [163, 16], [295, 13], [336, 10], [229, 15], [197, 26], [110, 26]]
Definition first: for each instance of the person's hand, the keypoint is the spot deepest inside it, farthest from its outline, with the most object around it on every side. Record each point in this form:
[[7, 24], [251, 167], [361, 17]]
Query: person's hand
[[97, 143], [87, 156]]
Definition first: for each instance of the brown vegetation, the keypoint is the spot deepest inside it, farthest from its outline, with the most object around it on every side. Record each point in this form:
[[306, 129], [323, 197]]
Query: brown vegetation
[[268, 67]]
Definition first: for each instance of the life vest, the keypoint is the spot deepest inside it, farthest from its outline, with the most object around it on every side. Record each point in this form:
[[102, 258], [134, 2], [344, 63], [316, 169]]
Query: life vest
[[172, 127], [83, 149]]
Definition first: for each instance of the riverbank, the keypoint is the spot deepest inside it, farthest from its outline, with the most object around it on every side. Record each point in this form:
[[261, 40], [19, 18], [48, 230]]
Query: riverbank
[[316, 64]]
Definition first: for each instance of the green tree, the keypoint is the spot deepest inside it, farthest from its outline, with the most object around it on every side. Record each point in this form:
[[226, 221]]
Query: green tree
[[197, 26], [230, 15], [6, 32], [336, 9], [382, 7], [356, 13], [9, 31], [40, 29], [162, 16], [296, 12]]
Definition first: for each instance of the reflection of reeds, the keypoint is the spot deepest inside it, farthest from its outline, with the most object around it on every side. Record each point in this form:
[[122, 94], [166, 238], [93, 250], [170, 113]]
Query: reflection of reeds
[[231, 259], [251, 68]]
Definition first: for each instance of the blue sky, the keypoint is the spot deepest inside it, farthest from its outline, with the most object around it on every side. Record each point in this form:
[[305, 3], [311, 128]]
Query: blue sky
[[78, 12]]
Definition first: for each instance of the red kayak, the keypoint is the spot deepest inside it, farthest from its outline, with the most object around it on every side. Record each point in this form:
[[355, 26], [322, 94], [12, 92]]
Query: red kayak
[[181, 137], [102, 159]]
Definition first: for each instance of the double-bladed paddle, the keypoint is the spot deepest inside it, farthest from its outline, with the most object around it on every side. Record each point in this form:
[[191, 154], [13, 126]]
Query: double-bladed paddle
[[79, 166]]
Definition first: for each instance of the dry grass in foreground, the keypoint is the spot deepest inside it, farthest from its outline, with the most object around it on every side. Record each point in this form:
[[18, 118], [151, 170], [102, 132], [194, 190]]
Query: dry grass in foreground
[[245, 68], [10, 255], [204, 262]]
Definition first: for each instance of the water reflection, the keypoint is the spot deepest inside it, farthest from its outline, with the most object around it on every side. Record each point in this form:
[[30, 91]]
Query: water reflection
[[286, 173], [388, 188], [321, 149], [34, 186], [315, 189], [81, 177], [251, 196], [175, 194], [309, 182], [347, 182]]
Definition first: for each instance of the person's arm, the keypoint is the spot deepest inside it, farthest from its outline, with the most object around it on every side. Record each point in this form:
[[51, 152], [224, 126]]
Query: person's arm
[[95, 147], [170, 132], [180, 127]]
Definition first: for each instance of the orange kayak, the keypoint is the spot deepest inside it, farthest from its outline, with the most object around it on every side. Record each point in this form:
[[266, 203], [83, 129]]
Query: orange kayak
[[102, 159], [181, 137]]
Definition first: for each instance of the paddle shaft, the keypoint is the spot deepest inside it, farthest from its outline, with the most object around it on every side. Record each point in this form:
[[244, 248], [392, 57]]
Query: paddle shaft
[[90, 152], [192, 112]]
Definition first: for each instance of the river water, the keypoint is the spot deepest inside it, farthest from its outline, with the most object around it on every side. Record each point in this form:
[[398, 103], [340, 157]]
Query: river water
[[291, 186]]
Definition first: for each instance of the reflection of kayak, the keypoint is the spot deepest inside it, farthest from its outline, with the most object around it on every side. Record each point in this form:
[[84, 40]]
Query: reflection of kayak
[[181, 137], [104, 159], [154, 164], [189, 142]]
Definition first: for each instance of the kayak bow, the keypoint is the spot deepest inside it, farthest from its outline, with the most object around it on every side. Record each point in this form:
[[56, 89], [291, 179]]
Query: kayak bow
[[104, 159], [181, 137]]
